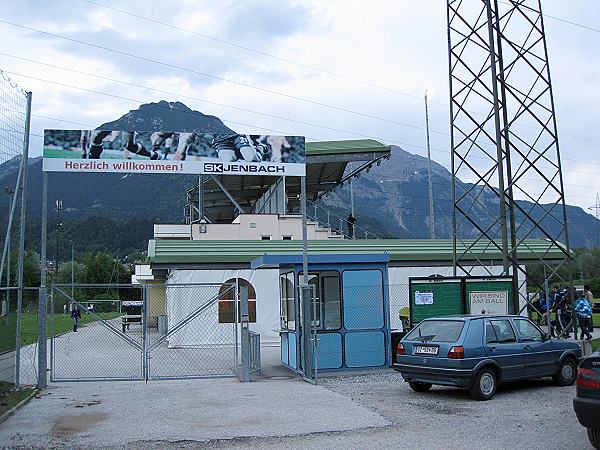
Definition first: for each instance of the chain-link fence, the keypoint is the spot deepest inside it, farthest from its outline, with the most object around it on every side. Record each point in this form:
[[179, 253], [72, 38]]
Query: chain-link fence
[[14, 140], [24, 373], [13, 116], [195, 334], [8, 335], [134, 332], [96, 333], [399, 306]]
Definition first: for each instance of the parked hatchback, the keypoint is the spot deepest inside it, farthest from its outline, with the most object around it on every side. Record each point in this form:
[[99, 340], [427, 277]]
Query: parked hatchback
[[480, 352], [587, 402]]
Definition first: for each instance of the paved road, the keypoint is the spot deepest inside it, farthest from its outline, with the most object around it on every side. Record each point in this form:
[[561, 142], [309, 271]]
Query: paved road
[[134, 414]]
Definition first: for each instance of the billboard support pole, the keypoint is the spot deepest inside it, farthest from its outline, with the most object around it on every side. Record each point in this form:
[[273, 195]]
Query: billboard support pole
[[245, 334], [21, 265], [304, 231], [42, 308]]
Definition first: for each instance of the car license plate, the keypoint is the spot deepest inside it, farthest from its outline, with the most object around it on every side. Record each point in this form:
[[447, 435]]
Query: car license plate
[[426, 350]]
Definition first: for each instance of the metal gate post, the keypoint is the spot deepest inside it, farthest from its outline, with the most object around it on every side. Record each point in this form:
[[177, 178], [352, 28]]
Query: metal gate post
[[236, 320], [42, 381], [52, 313], [316, 317], [308, 333], [145, 356], [245, 335]]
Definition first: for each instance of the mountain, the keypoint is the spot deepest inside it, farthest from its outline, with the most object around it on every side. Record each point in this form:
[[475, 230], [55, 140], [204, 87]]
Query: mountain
[[167, 116], [116, 211], [392, 199]]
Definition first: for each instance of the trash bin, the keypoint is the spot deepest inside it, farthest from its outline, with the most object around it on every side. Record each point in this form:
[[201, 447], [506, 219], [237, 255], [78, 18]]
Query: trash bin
[[162, 324]]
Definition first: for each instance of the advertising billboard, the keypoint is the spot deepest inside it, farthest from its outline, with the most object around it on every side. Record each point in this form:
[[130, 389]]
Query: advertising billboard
[[172, 152]]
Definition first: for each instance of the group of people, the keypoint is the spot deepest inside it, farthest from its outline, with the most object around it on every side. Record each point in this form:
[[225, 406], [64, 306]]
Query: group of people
[[558, 301]]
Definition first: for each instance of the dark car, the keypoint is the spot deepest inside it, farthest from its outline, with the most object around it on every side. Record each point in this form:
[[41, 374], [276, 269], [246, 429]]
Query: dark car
[[480, 352], [587, 402]]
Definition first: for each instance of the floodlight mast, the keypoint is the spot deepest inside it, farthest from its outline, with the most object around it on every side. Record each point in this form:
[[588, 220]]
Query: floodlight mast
[[596, 208], [504, 141]]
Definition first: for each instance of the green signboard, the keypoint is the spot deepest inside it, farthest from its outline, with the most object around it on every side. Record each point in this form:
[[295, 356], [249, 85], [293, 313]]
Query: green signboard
[[435, 297], [454, 296]]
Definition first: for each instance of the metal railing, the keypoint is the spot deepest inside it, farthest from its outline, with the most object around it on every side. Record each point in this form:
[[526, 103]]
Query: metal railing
[[337, 224], [254, 360]]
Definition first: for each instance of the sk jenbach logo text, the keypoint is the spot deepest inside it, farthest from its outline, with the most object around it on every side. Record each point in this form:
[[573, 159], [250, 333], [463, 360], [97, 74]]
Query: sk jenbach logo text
[[217, 167]]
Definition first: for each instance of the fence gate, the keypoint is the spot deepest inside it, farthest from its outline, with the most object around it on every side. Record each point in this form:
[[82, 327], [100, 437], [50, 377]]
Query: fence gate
[[198, 336], [151, 332], [101, 348]]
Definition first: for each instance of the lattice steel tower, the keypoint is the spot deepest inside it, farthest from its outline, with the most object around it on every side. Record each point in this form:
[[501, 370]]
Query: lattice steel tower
[[504, 138]]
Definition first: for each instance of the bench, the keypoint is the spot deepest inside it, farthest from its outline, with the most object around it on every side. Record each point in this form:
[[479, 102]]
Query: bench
[[129, 319]]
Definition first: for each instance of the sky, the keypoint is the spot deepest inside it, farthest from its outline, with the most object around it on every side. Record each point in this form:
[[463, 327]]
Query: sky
[[325, 69]]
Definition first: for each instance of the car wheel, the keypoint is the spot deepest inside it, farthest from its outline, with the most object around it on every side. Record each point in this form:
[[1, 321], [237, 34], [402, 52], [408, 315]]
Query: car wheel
[[594, 435], [484, 384], [566, 374], [418, 386]]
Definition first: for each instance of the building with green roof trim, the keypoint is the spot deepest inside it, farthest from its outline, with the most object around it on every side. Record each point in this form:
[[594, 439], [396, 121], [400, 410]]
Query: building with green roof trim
[[163, 254]]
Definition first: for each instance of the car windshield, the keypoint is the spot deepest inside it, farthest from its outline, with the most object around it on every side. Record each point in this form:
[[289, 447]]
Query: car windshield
[[436, 330]]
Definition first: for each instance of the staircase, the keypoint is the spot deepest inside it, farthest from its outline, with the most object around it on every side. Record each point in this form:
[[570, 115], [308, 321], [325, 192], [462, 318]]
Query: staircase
[[333, 224]]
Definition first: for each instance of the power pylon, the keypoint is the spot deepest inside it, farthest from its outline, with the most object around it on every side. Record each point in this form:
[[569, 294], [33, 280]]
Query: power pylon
[[504, 138]]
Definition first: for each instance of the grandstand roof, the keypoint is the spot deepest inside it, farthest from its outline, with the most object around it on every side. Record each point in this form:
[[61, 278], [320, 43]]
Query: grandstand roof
[[326, 163]]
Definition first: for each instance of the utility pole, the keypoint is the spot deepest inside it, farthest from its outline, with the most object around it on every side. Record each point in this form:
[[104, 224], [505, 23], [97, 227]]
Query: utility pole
[[596, 209], [431, 215], [73, 269]]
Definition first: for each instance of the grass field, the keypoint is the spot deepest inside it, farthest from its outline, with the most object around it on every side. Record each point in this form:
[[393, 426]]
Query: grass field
[[5, 386], [62, 324], [10, 398]]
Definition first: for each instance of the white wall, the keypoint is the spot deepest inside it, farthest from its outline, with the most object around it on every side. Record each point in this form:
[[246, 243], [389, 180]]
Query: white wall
[[266, 285], [254, 226]]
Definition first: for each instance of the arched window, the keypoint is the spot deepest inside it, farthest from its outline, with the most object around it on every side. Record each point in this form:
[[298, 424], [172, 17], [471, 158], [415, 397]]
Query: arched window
[[227, 302]]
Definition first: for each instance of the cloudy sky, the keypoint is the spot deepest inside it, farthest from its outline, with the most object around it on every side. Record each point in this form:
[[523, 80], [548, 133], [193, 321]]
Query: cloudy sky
[[326, 69]]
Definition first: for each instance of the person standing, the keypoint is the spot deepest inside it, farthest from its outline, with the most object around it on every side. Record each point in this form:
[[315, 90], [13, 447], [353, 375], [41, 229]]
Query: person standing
[[584, 314], [590, 298], [75, 316], [588, 294], [350, 222], [562, 308]]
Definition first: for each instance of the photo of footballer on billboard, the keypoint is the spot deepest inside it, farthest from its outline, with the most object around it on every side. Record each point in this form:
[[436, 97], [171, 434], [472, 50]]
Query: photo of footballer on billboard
[[173, 152]]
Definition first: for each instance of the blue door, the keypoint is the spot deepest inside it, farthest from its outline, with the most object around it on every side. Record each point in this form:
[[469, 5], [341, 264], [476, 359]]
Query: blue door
[[364, 318], [541, 359], [502, 346]]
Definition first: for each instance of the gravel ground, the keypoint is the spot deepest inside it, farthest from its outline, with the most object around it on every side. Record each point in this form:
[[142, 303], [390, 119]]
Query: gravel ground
[[528, 415]]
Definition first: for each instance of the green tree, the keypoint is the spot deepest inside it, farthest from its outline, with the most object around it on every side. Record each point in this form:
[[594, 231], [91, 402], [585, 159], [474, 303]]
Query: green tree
[[102, 268], [64, 274]]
